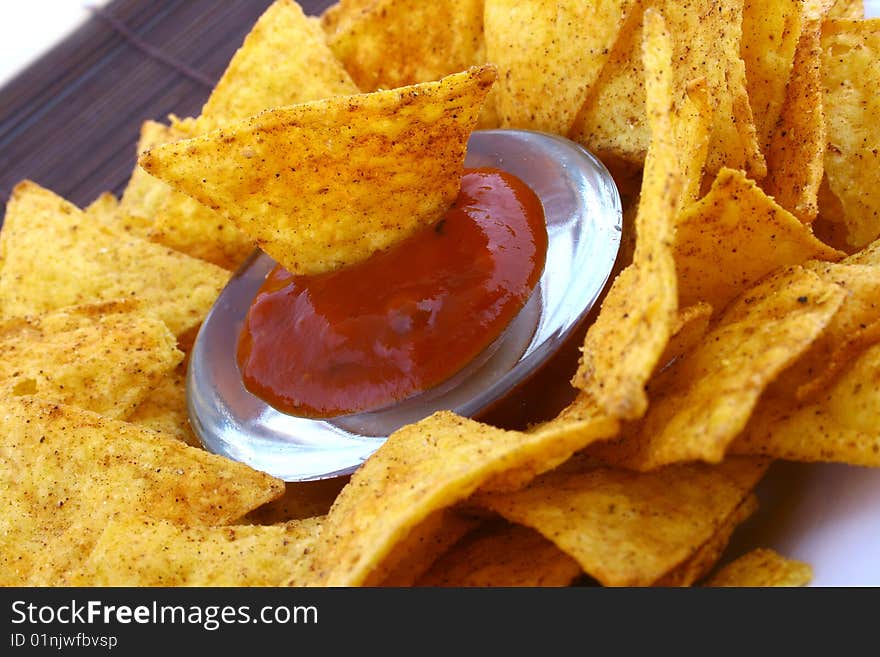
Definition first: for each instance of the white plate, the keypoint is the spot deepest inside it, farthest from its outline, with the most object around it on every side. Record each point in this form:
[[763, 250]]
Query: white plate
[[827, 515]]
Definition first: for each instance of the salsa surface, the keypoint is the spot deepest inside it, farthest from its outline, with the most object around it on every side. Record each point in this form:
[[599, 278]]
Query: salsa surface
[[405, 320]]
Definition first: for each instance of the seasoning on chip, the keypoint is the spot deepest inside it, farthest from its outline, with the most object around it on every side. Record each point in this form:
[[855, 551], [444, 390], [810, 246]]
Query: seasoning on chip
[[626, 528], [137, 552], [703, 400], [708, 554], [63, 355], [66, 472], [573, 38], [100, 264], [369, 169], [421, 469], [839, 424], [762, 567], [796, 149], [502, 554], [623, 346], [850, 76], [712, 263]]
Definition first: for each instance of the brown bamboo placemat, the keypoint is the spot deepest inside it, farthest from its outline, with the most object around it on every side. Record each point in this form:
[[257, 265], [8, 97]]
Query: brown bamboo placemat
[[70, 121]]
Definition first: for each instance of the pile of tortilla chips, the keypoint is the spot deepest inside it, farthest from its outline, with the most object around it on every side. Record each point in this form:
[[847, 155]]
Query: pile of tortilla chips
[[741, 326]]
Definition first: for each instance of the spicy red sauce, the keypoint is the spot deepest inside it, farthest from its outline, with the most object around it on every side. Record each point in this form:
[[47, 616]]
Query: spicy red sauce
[[369, 335]]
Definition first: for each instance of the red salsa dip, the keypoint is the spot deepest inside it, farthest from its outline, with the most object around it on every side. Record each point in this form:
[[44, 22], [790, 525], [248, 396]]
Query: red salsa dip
[[367, 336]]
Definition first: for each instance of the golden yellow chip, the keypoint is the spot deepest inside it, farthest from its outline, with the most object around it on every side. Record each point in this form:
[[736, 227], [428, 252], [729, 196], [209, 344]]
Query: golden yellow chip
[[66, 472], [626, 528], [383, 46], [265, 72], [848, 332], [706, 38], [735, 235], [795, 151], [624, 344], [368, 169], [838, 425], [104, 208], [703, 400], [612, 122], [762, 567], [549, 50], [99, 264], [104, 357], [869, 255], [850, 75], [301, 499], [284, 60], [690, 326], [847, 9], [136, 552], [142, 196], [421, 470], [708, 35], [770, 33], [502, 554], [174, 219], [708, 554], [164, 408], [432, 537], [340, 12]]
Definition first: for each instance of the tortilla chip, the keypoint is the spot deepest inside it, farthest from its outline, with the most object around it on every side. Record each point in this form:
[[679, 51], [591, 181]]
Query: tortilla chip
[[136, 552], [869, 255], [623, 346], [770, 33], [705, 558], [706, 38], [423, 468], [142, 197], [423, 545], [104, 207], [847, 334], [702, 401], [301, 499], [340, 12], [384, 45], [265, 72], [612, 122], [502, 554], [176, 220], [734, 236], [626, 528], [796, 150], [762, 567], [850, 75], [164, 408], [690, 326], [284, 60], [840, 425], [549, 55], [104, 357], [369, 169], [99, 264], [854, 9], [67, 472]]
